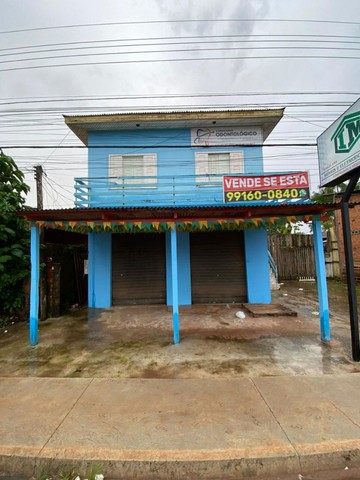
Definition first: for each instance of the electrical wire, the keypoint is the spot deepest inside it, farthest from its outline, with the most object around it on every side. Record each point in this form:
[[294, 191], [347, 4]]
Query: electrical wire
[[175, 51], [52, 185], [160, 146], [101, 162], [37, 120], [11, 114], [68, 133], [190, 59], [189, 21], [244, 38], [172, 51], [161, 95]]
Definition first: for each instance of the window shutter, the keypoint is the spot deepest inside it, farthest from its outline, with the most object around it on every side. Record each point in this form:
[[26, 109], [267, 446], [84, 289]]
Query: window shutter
[[236, 162], [150, 168], [115, 168], [201, 167]]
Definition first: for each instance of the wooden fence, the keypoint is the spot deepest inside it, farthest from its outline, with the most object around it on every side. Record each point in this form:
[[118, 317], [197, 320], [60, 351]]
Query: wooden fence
[[293, 256]]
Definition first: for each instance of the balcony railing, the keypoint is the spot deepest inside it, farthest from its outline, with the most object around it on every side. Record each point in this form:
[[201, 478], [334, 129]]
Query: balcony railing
[[182, 190]]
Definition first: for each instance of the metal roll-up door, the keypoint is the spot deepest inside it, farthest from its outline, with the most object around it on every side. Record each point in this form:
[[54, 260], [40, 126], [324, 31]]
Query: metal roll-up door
[[138, 269], [218, 267]]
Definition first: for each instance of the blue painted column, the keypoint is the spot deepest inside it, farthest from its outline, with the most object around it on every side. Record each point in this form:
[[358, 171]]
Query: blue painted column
[[184, 270], [99, 269], [321, 281], [34, 286], [175, 286], [257, 266]]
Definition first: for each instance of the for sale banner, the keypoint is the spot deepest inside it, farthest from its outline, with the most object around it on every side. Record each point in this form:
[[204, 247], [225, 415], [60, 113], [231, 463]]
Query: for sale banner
[[278, 187]]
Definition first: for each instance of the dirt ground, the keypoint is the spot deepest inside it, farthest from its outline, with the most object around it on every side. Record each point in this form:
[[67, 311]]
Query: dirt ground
[[136, 341]]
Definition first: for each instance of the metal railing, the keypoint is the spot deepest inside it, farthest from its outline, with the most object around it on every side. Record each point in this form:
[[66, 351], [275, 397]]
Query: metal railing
[[273, 266], [147, 191]]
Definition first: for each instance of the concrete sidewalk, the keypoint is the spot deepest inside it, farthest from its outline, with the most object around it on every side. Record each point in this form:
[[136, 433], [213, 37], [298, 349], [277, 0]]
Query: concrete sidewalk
[[181, 428]]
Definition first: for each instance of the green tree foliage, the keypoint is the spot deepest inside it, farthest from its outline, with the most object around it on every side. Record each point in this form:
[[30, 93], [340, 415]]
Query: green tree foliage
[[324, 195], [283, 229], [327, 194], [14, 238]]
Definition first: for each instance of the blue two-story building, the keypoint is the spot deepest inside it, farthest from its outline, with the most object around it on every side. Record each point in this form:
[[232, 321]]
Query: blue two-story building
[[153, 207]]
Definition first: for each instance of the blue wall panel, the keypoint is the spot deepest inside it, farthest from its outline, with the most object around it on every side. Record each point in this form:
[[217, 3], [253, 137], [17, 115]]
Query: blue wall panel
[[99, 270], [257, 266], [254, 163], [176, 185], [175, 168]]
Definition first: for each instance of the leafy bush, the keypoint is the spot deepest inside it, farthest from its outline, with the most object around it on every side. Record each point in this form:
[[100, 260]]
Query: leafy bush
[[14, 238]]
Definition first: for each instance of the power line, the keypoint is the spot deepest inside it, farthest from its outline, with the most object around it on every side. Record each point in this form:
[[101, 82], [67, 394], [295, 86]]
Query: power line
[[41, 114], [12, 115], [45, 99], [160, 146], [64, 138], [159, 22], [243, 37], [192, 59], [170, 44], [52, 184], [175, 51]]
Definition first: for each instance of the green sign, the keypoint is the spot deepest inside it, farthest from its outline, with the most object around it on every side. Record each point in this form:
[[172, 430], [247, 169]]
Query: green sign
[[347, 133], [339, 148]]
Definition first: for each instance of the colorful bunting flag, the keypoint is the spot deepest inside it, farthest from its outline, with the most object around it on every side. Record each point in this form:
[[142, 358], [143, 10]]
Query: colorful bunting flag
[[162, 226]]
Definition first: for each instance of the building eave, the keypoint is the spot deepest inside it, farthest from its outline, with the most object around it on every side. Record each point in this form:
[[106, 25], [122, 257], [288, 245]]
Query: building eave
[[177, 213], [82, 124]]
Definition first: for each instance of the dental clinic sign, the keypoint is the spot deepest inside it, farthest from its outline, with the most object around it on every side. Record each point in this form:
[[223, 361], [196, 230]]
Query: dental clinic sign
[[339, 148], [223, 136]]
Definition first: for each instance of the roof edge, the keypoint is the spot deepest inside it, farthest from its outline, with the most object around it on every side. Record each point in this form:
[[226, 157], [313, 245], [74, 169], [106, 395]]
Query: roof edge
[[81, 124]]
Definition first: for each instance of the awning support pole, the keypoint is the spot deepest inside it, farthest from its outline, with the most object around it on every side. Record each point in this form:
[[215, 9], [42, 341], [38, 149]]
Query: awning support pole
[[350, 273], [34, 287], [175, 288], [321, 281]]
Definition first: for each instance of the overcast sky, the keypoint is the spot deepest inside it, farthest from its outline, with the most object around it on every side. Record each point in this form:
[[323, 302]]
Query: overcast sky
[[45, 44]]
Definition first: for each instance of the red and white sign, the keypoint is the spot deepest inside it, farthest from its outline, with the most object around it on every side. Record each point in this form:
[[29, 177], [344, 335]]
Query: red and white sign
[[266, 182], [292, 187]]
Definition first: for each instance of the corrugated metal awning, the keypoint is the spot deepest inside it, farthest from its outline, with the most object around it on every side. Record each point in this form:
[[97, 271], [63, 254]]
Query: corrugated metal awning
[[182, 218]]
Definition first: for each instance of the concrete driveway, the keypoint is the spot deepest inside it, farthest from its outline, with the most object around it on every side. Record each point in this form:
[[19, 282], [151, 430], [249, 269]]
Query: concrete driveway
[[247, 398], [136, 341]]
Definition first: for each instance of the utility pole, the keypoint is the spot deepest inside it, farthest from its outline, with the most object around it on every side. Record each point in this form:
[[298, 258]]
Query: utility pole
[[39, 186], [40, 206], [350, 272]]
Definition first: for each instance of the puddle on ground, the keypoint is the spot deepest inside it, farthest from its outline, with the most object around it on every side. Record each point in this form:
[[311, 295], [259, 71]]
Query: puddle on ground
[[135, 342]]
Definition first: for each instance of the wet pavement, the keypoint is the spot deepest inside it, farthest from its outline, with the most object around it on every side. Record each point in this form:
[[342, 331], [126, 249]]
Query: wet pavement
[[218, 428], [136, 341], [253, 398]]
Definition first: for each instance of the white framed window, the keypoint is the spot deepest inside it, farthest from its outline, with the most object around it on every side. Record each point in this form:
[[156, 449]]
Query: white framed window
[[123, 167], [210, 165]]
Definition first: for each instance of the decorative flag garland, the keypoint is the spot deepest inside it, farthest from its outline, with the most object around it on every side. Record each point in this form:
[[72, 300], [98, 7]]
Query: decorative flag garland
[[122, 226]]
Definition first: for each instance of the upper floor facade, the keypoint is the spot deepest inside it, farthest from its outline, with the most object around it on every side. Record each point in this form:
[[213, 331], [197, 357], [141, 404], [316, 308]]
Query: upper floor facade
[[160, 159]]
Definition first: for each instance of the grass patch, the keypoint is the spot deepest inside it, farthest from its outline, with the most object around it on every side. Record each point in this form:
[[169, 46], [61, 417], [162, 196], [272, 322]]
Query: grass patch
[[122, 358], [94, 470], [67, 473], [227, 339]]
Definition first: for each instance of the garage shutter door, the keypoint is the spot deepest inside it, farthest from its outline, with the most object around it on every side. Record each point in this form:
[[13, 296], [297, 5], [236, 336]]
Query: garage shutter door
[[218, 267], [138, 269]]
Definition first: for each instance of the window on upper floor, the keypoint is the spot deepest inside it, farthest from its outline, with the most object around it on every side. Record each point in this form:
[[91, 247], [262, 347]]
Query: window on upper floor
[[131, 170], [209, 167]]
